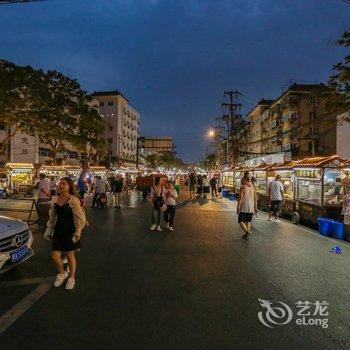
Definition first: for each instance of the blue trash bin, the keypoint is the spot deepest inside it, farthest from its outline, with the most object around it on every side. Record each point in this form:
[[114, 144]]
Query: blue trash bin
[[338, 230], [225, 193], [325, 226]]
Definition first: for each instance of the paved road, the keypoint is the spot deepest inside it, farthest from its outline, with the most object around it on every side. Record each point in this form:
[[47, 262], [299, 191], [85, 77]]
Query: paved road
[[195, 288]]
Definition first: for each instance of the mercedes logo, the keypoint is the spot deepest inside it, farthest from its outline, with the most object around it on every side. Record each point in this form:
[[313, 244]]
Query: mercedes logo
[[17, 241]]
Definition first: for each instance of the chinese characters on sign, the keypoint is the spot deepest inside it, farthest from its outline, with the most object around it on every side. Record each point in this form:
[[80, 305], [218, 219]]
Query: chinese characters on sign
[[307, 313]]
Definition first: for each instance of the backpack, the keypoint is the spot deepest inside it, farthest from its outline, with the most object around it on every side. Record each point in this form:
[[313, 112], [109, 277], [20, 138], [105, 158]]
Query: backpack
[[158, 200]]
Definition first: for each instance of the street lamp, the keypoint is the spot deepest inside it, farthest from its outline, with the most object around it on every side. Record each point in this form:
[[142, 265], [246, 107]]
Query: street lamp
[[211, 133]]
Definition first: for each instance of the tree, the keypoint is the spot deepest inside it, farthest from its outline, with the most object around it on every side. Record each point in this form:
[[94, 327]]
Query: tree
[[337, 98], [88, 136], [19, 99], [62, 103], [209, 162]]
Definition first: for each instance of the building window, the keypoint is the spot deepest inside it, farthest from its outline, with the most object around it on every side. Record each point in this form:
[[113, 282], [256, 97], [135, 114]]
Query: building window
[[110, 103], [101, 104], [110, 140], [110, 127]]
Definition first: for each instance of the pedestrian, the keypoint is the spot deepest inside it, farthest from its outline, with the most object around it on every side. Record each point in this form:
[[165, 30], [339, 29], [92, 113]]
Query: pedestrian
[[192, 183], [247, 205], [67, 219], [169, 215], [199, 185], [44, 188], [220, 185], [53, 186], [205, 187], [276, 198], [100, 191], [213, 185], [117, 191], [159, 206], [44, 197], [82, 185]]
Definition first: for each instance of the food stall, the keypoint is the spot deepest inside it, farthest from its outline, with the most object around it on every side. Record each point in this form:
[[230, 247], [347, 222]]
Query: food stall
[[19, 174], [318, 188], [263, 175], [286, 171], [53, 170], [99, 171], [73, 171], [228, 179]]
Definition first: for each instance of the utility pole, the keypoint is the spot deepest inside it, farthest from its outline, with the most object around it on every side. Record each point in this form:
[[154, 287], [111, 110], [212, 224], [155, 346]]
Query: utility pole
[[231, 116]]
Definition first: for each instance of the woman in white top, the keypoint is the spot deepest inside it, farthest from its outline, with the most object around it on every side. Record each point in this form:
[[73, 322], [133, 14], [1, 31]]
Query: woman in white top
[[158, 200], [247, 206], [169, 215]]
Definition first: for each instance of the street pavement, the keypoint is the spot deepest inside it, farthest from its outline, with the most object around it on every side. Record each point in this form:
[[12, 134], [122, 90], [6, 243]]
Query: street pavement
[[195, 288]]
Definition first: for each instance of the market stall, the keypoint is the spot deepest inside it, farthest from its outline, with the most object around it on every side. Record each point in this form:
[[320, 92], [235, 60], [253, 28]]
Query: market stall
[[286, 171], [228, 179], [99, 171], [263, 175], [20, 177], [56, 171], [318, 188], [73, 171]]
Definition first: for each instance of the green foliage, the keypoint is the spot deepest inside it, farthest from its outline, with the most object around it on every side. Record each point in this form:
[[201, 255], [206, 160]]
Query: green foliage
[[52, 106], [338, 97]]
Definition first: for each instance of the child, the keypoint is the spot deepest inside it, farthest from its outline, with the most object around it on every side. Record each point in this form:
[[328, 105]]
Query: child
[[169, 215]]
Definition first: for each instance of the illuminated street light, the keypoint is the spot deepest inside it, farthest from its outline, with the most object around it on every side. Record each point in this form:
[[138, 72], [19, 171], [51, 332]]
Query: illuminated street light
[[211, 133]]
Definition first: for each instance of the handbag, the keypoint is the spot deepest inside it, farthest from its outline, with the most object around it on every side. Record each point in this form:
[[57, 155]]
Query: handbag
[[48, 235], [163, 208]]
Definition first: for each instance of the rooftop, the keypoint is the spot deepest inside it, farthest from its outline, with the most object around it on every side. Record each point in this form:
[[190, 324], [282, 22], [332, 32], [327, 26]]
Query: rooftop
[[108, 93]]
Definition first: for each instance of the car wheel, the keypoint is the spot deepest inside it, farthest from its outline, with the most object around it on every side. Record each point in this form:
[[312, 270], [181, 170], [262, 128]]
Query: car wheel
[[295, 218]]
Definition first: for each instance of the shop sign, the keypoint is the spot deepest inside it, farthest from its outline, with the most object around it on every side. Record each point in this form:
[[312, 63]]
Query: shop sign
[[310, 174]]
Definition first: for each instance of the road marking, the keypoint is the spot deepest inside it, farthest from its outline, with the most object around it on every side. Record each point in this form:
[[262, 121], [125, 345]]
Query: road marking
[[27, 281], [25, 304]]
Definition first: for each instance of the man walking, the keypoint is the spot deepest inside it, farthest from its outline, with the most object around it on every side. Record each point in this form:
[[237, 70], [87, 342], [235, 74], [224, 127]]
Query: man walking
[[192, 183], [276, 198], [213, 185]]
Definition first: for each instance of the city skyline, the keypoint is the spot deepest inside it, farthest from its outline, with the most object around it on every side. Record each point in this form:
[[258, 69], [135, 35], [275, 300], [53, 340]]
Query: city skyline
[[174, 60]]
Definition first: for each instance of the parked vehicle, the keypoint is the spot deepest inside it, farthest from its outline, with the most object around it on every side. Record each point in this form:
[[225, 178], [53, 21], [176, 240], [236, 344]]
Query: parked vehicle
[[15, 243]]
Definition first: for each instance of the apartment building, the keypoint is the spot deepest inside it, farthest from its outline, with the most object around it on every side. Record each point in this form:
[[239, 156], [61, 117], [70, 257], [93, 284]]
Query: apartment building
[[122, 126], [256, 117], [297, 122]]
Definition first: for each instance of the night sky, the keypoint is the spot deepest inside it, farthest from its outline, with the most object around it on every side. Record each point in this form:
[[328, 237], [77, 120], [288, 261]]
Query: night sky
[[174, 59]]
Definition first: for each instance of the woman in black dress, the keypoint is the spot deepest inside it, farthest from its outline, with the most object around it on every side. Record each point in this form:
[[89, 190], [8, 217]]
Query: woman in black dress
[[67, 219]]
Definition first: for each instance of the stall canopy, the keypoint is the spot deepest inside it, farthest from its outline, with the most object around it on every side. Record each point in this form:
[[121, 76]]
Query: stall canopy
[[321, 162], [17, 166]]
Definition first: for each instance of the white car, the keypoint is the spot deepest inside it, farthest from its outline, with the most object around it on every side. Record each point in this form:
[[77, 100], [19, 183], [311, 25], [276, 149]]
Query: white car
[[15, 243]]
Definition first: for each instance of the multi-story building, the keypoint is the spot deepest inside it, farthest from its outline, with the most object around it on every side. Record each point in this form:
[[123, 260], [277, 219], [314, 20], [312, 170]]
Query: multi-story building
[[256, 119], [297, 122], [122, 126]]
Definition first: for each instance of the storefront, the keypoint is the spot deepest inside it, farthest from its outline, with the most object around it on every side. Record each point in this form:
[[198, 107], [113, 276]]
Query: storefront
[[19, 174], [318, 188]]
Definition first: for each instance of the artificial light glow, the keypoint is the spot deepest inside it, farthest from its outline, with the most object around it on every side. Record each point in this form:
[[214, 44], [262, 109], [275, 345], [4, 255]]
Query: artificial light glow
[[211, 133]]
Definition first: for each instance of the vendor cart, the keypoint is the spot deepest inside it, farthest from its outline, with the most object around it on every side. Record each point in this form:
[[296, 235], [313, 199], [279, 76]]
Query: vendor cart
[[318, 189]]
